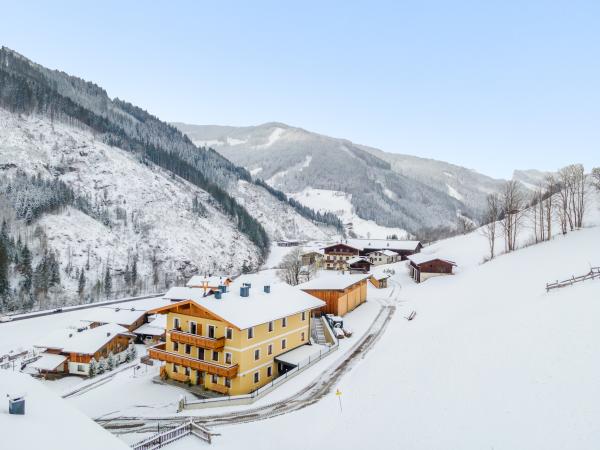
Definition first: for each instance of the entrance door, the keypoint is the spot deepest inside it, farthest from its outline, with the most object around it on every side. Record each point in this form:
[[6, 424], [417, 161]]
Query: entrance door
[[193, 327]]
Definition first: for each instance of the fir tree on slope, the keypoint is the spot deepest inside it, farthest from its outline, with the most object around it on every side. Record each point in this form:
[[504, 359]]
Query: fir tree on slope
[[107, 283]]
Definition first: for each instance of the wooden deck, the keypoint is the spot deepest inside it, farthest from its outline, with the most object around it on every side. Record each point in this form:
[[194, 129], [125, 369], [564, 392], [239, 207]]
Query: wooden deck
[[158, 352], [198, 341]]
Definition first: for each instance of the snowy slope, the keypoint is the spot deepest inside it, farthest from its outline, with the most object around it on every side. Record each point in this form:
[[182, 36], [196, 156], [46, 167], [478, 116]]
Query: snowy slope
[[292, 160], [158, 205], [491, 360]]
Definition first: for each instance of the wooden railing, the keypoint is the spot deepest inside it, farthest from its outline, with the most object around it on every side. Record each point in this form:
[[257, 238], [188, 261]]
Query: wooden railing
[[159, 352], [593, 273], [164, 438], [218, 388], [199, 341]]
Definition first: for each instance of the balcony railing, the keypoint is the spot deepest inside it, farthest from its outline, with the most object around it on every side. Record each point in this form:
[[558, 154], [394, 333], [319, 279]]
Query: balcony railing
[[158, 352], [218, 388], [199, 341]]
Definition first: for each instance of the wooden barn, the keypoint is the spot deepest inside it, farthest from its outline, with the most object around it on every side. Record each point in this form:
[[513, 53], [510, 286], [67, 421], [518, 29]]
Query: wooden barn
[[341, 293], [379, 279], [423, 267], [359, 264], [337, 256]]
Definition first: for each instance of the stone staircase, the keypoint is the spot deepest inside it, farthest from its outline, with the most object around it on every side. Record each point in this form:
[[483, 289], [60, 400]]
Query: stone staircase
[[318, 333]]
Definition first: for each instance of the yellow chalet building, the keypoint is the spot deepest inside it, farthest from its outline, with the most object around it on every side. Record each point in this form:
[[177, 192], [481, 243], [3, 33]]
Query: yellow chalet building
[[229, 341]]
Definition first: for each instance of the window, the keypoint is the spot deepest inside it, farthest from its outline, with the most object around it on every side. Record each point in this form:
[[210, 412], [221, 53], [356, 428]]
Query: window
[[269, 371], [270, 349], [271, 326], [229, 333], [228, 382], [227, 358], [211, 331], [283, 344], [187, 371], [188, 349], [284, 322], [256, 377], [302, 336], [215, 356], [80, 368], [193, 328], [176, 323], [303, 316], [201, 354], [250, 333], [175, 346], [256, 355], [214, 379], [174, 368]]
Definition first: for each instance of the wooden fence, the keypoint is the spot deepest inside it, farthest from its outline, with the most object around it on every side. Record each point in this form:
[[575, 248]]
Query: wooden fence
[[592, 274], [164, 438]]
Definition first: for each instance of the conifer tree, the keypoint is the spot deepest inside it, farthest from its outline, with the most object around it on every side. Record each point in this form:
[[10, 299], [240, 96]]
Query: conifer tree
[[107, 283]]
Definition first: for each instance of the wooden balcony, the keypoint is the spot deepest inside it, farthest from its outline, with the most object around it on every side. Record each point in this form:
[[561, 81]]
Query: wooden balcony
[[199, 341], [158, 352], [218, 388]]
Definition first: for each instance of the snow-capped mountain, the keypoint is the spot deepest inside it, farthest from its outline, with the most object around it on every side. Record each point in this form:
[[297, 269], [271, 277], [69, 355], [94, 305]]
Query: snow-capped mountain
[[390, 190], [134, 188]]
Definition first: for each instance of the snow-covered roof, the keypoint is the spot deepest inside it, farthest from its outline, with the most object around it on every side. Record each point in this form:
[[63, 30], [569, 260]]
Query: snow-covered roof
[[45, 419], [391, 244], [379, 274], [114, 314], [385, 252], [356, 259], [212, 281], [301, 354], [421, 258], [333, 282], [48, 361], [156, 327], [88, 341], [245, 312]]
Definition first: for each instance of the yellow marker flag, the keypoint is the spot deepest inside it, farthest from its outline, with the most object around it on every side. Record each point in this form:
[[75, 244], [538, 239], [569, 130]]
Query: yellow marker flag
[[338, 392]]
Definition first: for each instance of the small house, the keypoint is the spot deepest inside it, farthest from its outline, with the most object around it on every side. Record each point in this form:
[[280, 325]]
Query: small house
[[359, 264], [379, 279], [312, 258], [70, 350], [380, 257], [423, 267]]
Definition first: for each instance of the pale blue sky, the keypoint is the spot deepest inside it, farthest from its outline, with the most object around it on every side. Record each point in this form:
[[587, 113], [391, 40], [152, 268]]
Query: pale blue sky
[[491, 85]]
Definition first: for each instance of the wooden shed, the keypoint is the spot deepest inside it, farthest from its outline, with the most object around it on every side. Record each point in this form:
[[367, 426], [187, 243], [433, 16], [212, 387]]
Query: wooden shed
[[423, 267], [341, 293]]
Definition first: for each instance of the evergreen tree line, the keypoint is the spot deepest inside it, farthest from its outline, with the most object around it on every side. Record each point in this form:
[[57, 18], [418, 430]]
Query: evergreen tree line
[[326, 218], [29, 88]]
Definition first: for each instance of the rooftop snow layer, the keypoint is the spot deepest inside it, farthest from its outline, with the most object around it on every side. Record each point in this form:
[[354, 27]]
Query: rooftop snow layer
[[114, 314], [301, 355], [49, 421], [156, 327], [201, 280], [259, 307], [87, 341], [334, 282], [391, 244], [421, 258], [48, 361]]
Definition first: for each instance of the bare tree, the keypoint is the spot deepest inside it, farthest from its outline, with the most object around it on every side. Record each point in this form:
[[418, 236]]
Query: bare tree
[[490, 219], [512, 212], [596, 177], [551, 188], [290, 269], [572, 196]]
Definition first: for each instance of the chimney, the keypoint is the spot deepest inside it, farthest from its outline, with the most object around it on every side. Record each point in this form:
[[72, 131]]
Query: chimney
[[107, 333], [244, 291], [267, 289], [222, 288], [218, 295]]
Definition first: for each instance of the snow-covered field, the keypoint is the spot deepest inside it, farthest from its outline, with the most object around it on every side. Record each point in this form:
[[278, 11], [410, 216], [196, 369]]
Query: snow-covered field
[[339, 203]]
